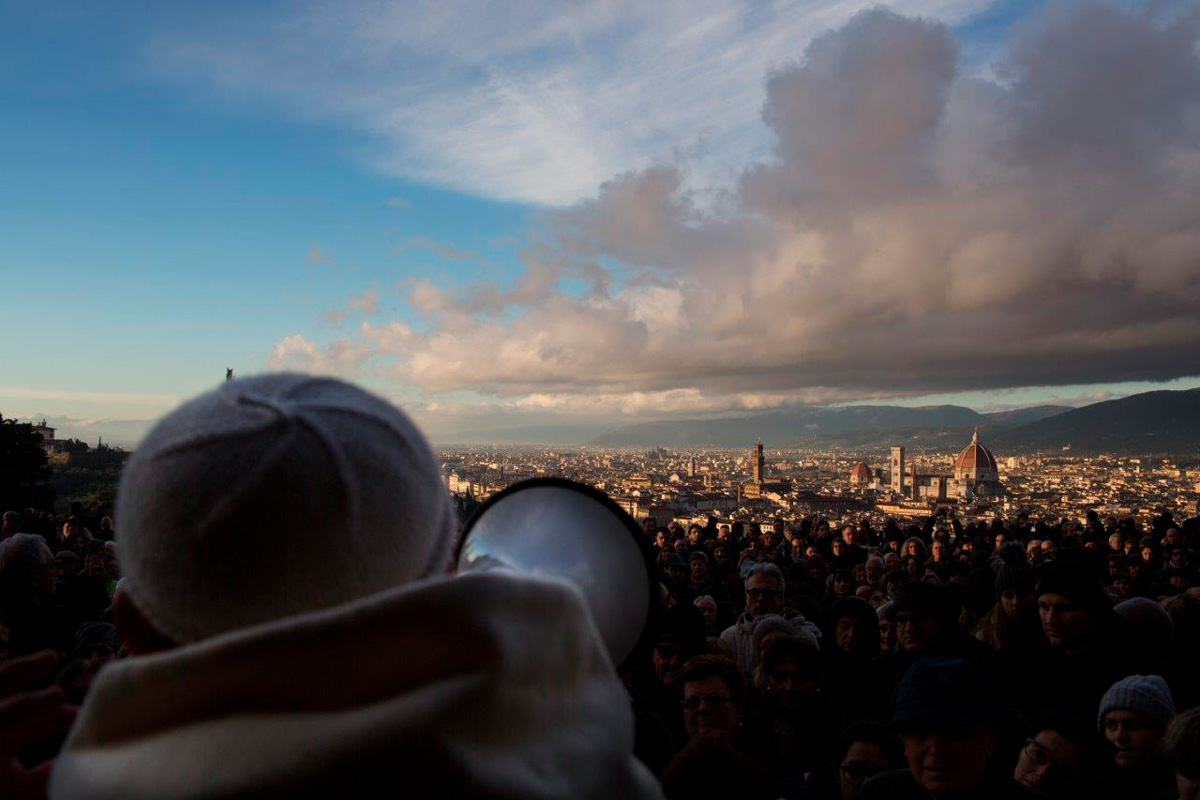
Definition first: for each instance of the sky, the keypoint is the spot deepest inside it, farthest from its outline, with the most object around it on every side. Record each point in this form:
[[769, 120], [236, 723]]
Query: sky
[[500, 215]]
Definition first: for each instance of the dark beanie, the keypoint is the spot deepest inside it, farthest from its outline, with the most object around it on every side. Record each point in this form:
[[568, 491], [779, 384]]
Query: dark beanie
[[1014, 573], [1078, 583], [682, 624], [922, 595]]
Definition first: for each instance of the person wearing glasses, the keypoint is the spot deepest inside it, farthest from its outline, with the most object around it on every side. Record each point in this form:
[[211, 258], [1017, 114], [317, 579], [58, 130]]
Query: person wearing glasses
[[1061, 757], [712, 694], [764, 587], [864, 750]]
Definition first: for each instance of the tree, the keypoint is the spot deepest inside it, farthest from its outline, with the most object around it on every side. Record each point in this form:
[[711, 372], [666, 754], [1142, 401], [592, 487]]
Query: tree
[[24, 476]]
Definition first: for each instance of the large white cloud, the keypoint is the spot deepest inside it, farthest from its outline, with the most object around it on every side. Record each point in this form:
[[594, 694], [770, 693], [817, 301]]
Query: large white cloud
[[916, 230]]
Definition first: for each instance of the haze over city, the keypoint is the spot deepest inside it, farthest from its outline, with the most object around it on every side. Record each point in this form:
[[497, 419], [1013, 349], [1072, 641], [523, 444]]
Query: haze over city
[[583, 217]]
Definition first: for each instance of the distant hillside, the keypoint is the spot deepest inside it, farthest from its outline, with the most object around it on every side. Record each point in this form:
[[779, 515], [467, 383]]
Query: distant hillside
[[789, 428], [1024, 416], [1151, 422]]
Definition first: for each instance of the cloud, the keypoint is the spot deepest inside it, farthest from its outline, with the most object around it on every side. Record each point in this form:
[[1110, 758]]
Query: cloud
[[914, 230], [446, 251], [318, 257], [535, 101]]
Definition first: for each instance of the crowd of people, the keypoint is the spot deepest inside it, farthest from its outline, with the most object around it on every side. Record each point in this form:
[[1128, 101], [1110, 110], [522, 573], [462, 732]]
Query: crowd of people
[[805, 659], [270, 616]]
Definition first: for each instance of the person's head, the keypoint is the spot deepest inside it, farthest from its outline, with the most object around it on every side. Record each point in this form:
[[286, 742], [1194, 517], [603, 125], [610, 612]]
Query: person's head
[[887, 627], [1181, 748], [1121, 586], [695, 535], [681, 546], [95, 566], [855, 626], [791, 665], [661, 539], [26, 571], [892, 562], [96, 642], [711, 692], [708, 607], [864, 750], [948, 722], [1058, 755], [764, 589], [920, 611], [912, 566], [10, 523], [848, 535], [769, 628], [698, 564], [875, 569], [837, 547], [676, 567], [1133, 716], [339, 479], [1073, 606], [680, 637], [939, 550], [649, 527], [843, 582]]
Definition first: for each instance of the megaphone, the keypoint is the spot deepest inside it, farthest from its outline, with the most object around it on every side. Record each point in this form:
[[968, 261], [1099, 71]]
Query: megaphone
[[553, 527]]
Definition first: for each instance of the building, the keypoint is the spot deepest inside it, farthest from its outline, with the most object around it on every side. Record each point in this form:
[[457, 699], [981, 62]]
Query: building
[[49, 443], [860, 475], [975, 472], [898, 469], [758, 464]]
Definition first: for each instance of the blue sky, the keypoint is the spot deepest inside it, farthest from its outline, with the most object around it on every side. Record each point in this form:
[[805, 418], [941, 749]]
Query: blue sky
[[386, 190]]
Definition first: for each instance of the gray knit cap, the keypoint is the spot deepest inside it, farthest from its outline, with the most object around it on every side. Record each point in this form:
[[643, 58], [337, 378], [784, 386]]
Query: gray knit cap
[[274, 496], [1147, 695]]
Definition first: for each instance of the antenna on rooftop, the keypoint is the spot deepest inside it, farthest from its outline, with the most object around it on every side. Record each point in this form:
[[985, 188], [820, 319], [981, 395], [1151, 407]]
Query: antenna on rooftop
[[229, 373]]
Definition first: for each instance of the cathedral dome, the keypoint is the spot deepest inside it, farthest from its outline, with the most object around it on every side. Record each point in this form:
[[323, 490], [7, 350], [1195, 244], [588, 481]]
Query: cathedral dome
[[860, 473], [976, 461]]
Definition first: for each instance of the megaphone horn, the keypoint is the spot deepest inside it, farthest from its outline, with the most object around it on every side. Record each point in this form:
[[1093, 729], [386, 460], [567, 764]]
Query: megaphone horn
[[553, 527]]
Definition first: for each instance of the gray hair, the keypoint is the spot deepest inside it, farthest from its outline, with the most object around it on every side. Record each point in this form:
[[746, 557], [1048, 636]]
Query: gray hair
[[21, 554], [763, 568]]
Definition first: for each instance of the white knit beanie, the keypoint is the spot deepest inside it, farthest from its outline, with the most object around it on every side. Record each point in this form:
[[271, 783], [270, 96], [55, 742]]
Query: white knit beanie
[[273, 496], [1147, 695]]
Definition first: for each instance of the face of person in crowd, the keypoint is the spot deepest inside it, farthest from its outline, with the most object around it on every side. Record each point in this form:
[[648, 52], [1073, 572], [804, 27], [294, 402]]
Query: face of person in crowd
[[1179, 581], [892, 562], [648, 528], [724, 534], [708, 707], [699, 571], [822, 529], [874, 570], [763, 595], [1050, 763], [790, 688], [1067, 625], [668, 658], [1148, 554], [837, 548], [1015, 603], [767, 540], [912, 567], [797, 549], [76, 544], [1121, 587], [863, 761], [680, 546], [99, 654], [1178, 558], [1171, 537], [851, 634], [660, 539], [694, 535], [876, 598], [1000, 540], [945, 760], [916, 628], [843, 584], [1034, 551], [709, 608], [848, 534], [938, 550], [1138, 741], [719, 552], [859, 574], [97, 567], [1115, 543], [911, 549], [887, 635], [1129, 547]]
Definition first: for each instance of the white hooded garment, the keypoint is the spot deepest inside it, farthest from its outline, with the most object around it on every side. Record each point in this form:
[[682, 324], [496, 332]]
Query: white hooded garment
[[484, 685]]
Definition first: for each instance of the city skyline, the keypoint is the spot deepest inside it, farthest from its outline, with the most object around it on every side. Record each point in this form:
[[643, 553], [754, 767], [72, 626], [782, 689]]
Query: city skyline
[[590, 217]]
